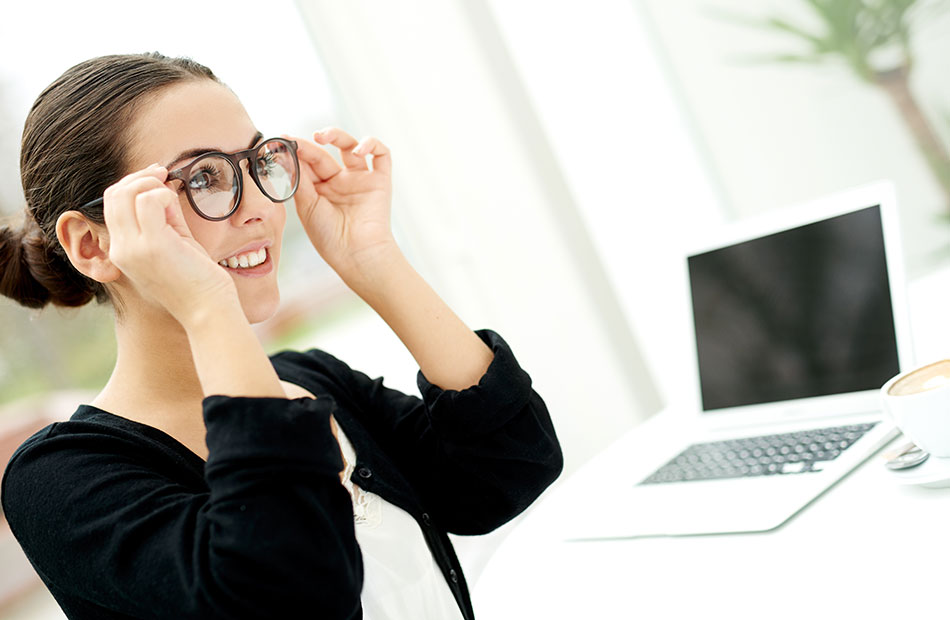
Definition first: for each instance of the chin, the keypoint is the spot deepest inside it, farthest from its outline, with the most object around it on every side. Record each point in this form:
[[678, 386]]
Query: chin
[[258, 309]]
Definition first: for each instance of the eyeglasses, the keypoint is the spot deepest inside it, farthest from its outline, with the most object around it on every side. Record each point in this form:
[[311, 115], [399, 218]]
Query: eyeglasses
[[214, 182]]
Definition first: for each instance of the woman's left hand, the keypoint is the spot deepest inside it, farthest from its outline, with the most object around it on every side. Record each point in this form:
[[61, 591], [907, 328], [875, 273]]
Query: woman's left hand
[[345, 209]]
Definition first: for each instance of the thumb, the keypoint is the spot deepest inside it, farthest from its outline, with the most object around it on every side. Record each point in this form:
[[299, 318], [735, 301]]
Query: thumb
[[176, 219], [310, 203]]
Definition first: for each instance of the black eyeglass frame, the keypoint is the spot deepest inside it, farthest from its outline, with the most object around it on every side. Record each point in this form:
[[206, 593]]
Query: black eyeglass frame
[[235, 159]]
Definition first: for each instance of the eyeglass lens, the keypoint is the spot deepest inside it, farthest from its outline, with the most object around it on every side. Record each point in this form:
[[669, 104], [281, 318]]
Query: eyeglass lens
[[276, 170], [214, 182]]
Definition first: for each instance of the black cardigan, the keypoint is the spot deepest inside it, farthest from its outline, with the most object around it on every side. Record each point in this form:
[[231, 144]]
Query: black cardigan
[[122, 521]]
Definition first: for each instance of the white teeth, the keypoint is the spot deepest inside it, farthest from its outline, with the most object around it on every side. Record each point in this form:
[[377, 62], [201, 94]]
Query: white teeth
[[243, 261]]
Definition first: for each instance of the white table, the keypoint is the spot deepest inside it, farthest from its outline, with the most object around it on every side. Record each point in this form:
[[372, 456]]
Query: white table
[[868, 548]]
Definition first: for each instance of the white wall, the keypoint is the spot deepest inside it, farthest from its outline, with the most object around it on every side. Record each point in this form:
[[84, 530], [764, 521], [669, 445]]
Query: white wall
[[483, 205], [40, 39], [781, 133], [622, 140]]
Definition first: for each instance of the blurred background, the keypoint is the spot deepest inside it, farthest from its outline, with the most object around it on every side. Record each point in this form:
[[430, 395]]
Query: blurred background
[[550, 159]]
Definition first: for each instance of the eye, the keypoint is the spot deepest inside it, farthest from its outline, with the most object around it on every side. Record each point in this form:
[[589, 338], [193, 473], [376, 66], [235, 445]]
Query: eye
[[203, 179], [267, 163]]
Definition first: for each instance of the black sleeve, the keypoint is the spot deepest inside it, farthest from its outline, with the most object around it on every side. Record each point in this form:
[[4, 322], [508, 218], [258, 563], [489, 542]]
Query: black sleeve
[[477, 457], [270, 535]]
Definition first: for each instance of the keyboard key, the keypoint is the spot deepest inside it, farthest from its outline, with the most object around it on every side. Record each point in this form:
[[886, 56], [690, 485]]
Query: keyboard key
[[786, 453]]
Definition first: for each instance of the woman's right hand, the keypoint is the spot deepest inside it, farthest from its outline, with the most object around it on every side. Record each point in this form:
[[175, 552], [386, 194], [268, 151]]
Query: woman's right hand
[[153, 247]]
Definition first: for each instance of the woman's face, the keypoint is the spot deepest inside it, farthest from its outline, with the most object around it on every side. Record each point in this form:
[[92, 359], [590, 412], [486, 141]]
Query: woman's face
[[200, 116]]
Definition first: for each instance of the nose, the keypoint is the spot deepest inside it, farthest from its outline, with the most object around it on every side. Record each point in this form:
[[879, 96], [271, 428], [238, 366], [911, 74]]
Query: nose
[[254, 206]]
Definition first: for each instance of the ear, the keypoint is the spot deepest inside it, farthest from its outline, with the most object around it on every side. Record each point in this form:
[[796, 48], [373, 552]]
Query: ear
[[87, 246]]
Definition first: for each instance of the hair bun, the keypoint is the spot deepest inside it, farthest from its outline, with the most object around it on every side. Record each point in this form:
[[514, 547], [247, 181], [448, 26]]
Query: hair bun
[[30, 274]]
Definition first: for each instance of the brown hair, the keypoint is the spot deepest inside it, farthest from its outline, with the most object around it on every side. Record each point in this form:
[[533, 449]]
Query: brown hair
[[75, 144]]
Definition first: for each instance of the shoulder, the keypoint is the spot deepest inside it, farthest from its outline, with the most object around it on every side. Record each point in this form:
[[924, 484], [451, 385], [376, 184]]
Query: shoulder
[[36, 439], [314, 370], [354, 391], [91, 431], [309, 359], [56, 441], [65, 461]]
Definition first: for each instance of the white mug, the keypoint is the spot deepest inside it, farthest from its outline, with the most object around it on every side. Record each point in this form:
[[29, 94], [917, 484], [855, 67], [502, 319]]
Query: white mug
[[918, 402]]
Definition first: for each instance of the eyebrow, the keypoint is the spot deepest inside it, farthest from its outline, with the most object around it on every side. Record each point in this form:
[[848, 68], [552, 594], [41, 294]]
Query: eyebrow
[[191, 153]]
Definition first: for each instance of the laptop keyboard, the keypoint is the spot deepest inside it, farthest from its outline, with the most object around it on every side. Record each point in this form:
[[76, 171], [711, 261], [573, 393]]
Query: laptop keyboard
[[786, 453]]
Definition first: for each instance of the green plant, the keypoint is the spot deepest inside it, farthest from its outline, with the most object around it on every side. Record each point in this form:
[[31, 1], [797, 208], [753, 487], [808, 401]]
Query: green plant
[[873, 38]]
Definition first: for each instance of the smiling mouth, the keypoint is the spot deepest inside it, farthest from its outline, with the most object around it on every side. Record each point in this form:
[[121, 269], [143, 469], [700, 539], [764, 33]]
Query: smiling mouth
[[245, 260]]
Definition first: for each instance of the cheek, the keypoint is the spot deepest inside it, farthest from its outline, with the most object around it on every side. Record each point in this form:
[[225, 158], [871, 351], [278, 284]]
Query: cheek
[[280, 215], [278, 221], [205, 232]]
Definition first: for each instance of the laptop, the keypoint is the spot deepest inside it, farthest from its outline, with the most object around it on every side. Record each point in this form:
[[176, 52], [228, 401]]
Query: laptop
[[798, 318]]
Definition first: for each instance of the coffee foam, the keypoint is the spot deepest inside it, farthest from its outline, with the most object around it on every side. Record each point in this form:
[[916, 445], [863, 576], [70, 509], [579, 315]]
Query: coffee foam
[[923, 379]]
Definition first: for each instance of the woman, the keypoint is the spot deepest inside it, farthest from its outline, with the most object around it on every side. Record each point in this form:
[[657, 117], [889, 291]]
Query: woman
[[206, 480]]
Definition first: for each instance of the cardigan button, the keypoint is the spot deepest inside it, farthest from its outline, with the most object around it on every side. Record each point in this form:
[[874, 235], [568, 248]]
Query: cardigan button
[[364, 473], [453, 576]]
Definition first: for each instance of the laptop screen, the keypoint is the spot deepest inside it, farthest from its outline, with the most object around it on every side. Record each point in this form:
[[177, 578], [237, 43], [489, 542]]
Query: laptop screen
[[800, 313]]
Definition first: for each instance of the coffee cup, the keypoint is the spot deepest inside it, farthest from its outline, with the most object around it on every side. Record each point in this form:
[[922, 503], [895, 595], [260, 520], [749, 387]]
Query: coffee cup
[[918, 402]]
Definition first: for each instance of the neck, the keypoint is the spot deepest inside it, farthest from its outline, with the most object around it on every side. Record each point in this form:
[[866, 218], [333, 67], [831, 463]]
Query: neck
[[154, 381], [154, 353]]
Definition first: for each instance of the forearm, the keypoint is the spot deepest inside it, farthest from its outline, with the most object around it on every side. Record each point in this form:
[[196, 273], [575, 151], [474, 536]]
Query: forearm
[[449, 354], [228, 357]]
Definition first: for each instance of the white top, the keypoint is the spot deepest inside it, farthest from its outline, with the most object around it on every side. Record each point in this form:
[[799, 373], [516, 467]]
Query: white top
[[401, 579]]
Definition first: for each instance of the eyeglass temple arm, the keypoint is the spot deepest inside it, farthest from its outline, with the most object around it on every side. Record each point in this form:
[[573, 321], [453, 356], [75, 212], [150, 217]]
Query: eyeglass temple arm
[[92, 203], [172, 176]]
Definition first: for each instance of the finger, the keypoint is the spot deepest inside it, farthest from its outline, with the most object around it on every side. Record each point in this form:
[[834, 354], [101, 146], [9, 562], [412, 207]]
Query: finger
[[124, 196], [119, 218], [155, 170], [129, 190], [176, 219], [343, 141], [307, 187], [127, 186], [119, 200], [323, 164], [150, 208], [377, 153]]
